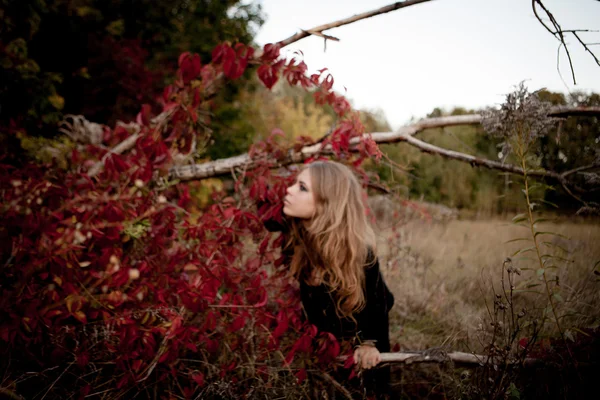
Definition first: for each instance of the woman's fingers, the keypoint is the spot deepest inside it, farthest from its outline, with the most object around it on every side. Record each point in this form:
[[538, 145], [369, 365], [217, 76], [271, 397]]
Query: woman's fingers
[[367, 357], [370, 359]]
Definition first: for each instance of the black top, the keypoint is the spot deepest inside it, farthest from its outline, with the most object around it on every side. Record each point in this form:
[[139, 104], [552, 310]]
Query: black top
[[371, 323]]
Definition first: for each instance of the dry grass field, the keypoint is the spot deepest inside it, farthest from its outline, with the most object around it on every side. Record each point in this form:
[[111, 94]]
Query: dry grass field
[[445, 271], [442, 272]]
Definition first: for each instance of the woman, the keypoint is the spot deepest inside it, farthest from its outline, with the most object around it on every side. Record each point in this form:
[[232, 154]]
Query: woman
[[331, 247]]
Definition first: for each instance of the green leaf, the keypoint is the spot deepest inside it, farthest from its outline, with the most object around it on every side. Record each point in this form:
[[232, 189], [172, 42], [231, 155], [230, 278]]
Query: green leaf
[[530, 285], [558, 297], [17, 49], [549, 203], [550, 233], [57, 101], [550, 256], [523, 251], [550, 244], [513, 393], [519, 218], [542, 219], [580, 331], [517, 239], [116, 28], [569, 335]]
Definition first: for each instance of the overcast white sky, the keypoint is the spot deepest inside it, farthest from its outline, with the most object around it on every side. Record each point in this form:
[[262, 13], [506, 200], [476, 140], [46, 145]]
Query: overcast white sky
[[442, 53]]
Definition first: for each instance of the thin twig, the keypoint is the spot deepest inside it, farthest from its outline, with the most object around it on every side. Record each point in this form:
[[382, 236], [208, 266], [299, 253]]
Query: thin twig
[[56, 380], [318, 29], [558, 33]]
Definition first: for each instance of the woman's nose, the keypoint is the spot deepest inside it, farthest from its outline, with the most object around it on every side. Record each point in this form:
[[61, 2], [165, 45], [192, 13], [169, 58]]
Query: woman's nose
[[289, 190]]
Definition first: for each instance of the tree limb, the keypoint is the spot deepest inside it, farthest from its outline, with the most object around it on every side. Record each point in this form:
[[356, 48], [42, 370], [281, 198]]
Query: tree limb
[[404, 134], [319, 29], [559, 34]]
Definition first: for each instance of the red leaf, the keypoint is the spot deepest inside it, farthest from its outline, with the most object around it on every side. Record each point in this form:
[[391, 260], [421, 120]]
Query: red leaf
[[268, 75], [290, 357], [234, 67], [243, 51], [191, 346], [198, 378], [220, 52], [80, 316], [144, 116], [523, 342], [136, 365], [301, 375], [328, 82], [237, 323], [282, 325], [270, 52], [167, 92], [189, 66], [349, 361], [83, 359]]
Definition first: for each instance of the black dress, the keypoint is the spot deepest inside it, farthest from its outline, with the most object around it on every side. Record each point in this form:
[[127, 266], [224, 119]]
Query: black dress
[[370, 324]]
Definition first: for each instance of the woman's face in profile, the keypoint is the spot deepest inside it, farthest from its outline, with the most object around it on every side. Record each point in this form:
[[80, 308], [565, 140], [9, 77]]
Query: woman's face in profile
[[299, 201]]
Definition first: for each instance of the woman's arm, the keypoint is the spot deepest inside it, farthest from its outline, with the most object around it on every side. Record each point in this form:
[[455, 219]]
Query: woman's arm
[[373, 322]]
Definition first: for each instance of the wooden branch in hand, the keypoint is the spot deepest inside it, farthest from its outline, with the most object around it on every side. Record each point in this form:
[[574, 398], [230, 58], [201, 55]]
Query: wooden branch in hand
[[440, 356], [455, 356]]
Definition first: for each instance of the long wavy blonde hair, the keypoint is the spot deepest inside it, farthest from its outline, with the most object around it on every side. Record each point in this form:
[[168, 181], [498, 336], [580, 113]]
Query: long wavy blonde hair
[[332, 247]]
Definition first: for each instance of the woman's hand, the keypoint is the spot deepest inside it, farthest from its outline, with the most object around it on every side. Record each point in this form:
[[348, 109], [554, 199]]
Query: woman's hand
[[366, 356]]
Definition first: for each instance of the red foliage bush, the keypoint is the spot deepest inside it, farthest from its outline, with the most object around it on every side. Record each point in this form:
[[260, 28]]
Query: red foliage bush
[[117, 282]]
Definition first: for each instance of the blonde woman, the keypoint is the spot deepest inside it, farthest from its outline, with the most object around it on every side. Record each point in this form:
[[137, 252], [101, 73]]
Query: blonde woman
[[332, 253]]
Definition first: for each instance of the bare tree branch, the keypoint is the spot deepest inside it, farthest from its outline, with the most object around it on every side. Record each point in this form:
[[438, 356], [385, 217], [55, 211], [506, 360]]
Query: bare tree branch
[[586, 48], [559, 34], [319, 29], [404, 134]]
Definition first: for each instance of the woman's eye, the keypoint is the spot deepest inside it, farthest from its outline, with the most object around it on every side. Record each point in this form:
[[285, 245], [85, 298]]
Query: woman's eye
[[303, 189]]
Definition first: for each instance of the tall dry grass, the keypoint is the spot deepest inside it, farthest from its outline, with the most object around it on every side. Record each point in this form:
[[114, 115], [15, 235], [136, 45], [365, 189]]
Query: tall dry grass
[[443, 272]]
